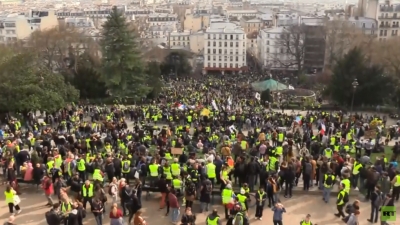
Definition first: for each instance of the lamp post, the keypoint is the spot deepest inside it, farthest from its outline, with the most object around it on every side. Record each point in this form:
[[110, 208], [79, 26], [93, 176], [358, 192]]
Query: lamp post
[[354, 84]]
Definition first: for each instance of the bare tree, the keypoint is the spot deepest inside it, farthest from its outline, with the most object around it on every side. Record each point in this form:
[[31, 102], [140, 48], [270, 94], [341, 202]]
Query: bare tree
[[340, 37], [387, 54], [291, 48], [60, 47]]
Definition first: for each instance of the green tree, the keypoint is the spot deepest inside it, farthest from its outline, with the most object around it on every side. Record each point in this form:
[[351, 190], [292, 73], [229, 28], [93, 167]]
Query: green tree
[[122, 71], [373, 85], [86, 78], [155, 79], [28, 84], [176, 62]]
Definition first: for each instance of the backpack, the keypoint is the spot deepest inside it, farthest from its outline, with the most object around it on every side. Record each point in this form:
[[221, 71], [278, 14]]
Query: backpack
[[329, 180], [125, 167], [48, 216], [378, 200], [308, 169], [110, 189]]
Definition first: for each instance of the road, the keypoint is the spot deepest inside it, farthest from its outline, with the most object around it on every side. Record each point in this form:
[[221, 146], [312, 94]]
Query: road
[[297, 208]]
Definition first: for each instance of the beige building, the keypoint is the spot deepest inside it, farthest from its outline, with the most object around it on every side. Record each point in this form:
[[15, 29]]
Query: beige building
[[196, 22], [19, 27], [251, 24], [386, 14], [197, 42], [179, 39]]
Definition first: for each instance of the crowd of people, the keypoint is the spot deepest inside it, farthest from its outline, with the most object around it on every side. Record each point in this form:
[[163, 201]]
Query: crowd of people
[[197, 138]]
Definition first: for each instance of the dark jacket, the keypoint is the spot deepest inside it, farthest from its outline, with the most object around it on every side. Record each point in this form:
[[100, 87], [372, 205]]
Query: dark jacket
[[53, 218], [73, 217]]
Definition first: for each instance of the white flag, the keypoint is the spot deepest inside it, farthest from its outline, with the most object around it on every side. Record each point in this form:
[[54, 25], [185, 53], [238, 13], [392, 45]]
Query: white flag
[[258, 96]]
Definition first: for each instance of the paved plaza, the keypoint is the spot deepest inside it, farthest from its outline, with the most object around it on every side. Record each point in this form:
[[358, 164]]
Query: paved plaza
[[297, 207]]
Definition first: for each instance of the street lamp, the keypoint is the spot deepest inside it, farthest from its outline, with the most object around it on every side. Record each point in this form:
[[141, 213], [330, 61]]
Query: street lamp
[[354, 84]]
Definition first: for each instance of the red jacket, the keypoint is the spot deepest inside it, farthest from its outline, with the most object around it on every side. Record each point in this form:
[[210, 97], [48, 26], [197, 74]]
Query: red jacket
[[47, 186]]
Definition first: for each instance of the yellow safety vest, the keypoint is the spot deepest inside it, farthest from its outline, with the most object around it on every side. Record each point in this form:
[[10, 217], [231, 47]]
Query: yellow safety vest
[[226, 196], [356, 168], [343, 193], [65, 207], [280, 137], [49, 166], [279, 150], [305, 223], [97, 175], [211, 171], [154, 170], [225, 175], [328, 153], [212, 222], [346, 182], [176, 169], [81, 165], [397, 184], [333, 181], [243, 145], [177, 183], [9, 196], [87, 192], [167, 172]]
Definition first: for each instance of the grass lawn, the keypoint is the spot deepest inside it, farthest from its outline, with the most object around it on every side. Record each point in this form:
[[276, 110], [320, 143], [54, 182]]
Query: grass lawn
[[387, 152]]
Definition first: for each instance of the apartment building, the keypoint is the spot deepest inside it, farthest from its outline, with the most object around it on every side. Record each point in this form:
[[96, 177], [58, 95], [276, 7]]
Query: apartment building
[[388, 20], [240, 13], [224, 48], [79, 22], [272, 53], [19, 27], [367, 25], [196, 20], [179, 39], [251, 24], [197, 42], [160, 19], [284, 19]]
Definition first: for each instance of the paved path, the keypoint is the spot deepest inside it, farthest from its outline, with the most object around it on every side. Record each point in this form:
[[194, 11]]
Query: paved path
[[297, 207]]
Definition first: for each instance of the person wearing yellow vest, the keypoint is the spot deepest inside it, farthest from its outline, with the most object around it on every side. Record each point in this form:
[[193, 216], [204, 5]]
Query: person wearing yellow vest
[[81, 167], [177, 184], [98, 175], [66, 207], [213, 218], [347, 184], [261, 196], [153, 172], [396, 186], [355, 175], [329, 181], [280, 138], [87, 193], [242, 198], [126, 168], [224, 176], [307, 220], [210, 171], [328, 153], [342, 199], [227, 196], [12, 200], [175, 168], [244, 145], [167, 172]]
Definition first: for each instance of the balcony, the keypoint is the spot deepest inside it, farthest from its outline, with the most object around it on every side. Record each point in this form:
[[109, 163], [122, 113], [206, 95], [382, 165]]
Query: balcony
[[386, 9], [384, 25]]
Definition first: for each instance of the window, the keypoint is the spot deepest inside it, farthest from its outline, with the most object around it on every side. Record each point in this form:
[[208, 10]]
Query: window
[[267, 42], [209, 64], [381, 33], [267, 50], [363, 25], [219, 51], [219, 58], [214, 58], [208, 43], [225, 51], [9, 24], [237, 44], [231, 36], [385, 33], [214, 44], [208, 58], [209, 51], [231, 58], [226, 36], [219, 44], [208, 36], [214, 65], [225, 44], [225, 65], [231, 65], [213, 36], [214, 51], [231, 44], [219, 65], [236, 65], [267, 35], [237, 37]]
